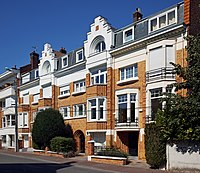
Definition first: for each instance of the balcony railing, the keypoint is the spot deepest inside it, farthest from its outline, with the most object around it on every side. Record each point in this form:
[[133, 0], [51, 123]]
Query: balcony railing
[[126, 123], [160, 74]]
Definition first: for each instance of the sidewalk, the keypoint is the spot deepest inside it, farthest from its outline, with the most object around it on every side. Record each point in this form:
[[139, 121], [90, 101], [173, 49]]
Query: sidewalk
[[81, 161]]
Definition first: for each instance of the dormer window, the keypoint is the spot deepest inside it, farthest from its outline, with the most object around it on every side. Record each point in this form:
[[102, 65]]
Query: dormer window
[[79, 56], [163, 20], [128, 35], [64, 62], [100, 47]]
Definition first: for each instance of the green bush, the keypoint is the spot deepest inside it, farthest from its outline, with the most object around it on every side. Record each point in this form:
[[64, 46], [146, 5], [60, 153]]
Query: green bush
[[62, 144], [48, 124], [155, 146], [113, 152]]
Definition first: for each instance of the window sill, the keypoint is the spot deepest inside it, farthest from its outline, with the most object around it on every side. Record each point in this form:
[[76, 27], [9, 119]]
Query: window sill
[[64, 96], [127, 81], [95, 120], [99, 84], [78, 92], [77, 117], [34, 103]]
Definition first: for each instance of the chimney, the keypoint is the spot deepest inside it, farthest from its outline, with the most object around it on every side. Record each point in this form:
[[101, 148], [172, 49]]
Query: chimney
[[63, 50], [34, 60], [137, 15]]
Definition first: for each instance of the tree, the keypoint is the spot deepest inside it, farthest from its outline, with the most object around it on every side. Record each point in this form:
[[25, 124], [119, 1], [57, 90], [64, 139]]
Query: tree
[[48, 124], [180, 119]]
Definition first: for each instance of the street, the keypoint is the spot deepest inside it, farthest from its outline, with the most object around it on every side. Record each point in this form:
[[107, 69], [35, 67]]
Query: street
[[19, 164]]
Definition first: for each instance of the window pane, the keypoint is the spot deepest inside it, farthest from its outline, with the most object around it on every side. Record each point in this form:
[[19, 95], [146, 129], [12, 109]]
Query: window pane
[[93, 113], [133, 97], [129, 72], [171, 17], [132, 112], [122, 74], [80, 109], [97, 79], [162, 21], [80, 56], [135, 70], [103, 45], [154, 25], [102, 79], [128, 35], [155, 105], [122, 113], [93, 102], [101, 113]]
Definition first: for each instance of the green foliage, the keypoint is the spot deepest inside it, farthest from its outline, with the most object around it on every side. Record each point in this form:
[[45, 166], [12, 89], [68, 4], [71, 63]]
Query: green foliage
[[62, 144], [180, 118], [48, 124], [155, 146], [113, 152]]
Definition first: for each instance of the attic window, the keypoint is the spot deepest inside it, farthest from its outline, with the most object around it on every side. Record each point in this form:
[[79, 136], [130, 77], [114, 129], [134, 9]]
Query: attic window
[[79, 56], [128, 35]]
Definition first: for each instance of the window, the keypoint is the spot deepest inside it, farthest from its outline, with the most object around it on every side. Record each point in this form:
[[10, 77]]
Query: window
[[96, 109], [64, 62], [79, 56], [100, 47], [163, 20], [26, 98], [25, 78], [3, 103], [126, 108], [156, 103], [36, 73], [153, 24], [171, 17], [23, 119], [36, 97], [128, 35], [47, 92], [65, 111], [129, 72], [79, 86], [79, 110], [64, 90], [99, 78], [4, 122]]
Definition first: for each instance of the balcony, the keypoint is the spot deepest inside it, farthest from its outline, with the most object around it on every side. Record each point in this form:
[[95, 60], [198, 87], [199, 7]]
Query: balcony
[[126, 124], [9, 91], [165, 73]]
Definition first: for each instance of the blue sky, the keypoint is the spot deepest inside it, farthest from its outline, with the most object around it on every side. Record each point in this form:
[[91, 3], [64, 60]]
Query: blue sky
[[62, 23]]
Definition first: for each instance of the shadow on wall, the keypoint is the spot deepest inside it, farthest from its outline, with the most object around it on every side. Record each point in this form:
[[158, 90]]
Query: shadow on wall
[[187, 146]]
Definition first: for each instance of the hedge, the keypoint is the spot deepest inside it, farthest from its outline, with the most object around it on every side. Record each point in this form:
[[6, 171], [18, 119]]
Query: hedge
[[155, 146], [113, 152], [62, 144]]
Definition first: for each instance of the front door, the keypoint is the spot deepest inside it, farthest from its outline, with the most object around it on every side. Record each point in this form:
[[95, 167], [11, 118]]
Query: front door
[[133, 143], [26, 141]]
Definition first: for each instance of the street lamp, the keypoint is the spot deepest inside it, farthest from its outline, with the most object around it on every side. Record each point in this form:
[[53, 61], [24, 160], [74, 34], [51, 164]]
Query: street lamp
[[15, 71]]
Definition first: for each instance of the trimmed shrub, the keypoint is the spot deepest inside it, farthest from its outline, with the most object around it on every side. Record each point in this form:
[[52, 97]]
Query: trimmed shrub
[[62, 144], [113, 152], [48, 124], [155, 146]]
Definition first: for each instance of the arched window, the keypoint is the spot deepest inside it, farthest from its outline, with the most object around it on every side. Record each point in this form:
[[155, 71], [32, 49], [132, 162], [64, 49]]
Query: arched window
[[46, 68], [101, 46]]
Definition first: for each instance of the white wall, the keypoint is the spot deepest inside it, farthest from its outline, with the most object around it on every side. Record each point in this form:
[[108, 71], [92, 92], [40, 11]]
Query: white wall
[[178, 156]]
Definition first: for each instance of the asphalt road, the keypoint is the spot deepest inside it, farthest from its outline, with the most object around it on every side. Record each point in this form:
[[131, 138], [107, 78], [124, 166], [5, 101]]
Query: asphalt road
[[19, 164]]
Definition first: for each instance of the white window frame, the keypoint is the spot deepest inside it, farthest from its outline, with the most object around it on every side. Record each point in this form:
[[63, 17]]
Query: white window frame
[[128, 79], [98, 75], [64, 91], [157, 18], [130, 38], [128, 92], [25, 78], [98, 109], [64, 114], [36, 98], [76, 112], [64, 58], [78, 88], [23, 120], [26, 96], [36, 74], [101, 48], [77, 55]]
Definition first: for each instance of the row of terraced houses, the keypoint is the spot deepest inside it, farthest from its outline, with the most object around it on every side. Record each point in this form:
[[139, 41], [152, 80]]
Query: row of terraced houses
[[106, 90]]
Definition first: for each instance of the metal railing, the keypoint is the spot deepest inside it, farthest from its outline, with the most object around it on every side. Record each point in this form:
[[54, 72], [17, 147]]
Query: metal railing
[[129, 122], [160, 73]]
